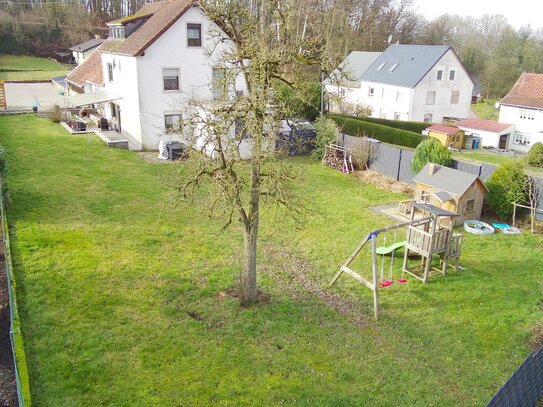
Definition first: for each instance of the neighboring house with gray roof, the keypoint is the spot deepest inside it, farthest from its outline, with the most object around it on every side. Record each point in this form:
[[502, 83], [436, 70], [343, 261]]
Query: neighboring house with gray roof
[[411, 83], [82, 51], [454, 190]]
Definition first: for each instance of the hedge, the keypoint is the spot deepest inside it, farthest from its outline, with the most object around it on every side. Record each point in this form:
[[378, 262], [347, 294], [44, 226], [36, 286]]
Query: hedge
[[416, 127], [358, 128]]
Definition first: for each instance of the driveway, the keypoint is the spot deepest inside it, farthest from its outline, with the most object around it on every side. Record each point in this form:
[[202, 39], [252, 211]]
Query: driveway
[[22, 96]]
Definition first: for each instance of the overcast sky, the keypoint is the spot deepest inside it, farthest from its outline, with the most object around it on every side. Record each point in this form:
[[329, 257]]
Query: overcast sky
[[518, 12]]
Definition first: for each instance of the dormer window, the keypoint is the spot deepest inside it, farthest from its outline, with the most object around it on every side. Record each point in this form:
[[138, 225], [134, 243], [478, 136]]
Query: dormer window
[[393, 67], [117, 32]]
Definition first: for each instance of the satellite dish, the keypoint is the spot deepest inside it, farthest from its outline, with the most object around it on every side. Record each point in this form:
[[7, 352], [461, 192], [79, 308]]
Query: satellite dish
[[497, 105]]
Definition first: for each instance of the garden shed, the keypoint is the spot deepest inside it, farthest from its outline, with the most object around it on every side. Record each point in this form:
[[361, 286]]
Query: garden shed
[[449, 136], [453, 190]]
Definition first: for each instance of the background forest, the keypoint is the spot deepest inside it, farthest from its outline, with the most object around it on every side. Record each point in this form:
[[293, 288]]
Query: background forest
[[490, 48]]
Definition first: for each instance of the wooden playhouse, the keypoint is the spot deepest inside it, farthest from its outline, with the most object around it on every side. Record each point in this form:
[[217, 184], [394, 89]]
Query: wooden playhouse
[[449, 136], [453, 190]]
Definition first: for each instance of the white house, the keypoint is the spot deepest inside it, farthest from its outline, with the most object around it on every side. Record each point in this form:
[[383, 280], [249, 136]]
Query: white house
[[489, 132], [523, 106], [411, 83], [82, 51], [152, 65]]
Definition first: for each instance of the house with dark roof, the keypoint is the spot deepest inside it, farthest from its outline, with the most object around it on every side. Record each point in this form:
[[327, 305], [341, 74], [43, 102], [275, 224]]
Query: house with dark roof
[[523, 107], [454, 190], [150, 67], [82, 51], [413, 83]]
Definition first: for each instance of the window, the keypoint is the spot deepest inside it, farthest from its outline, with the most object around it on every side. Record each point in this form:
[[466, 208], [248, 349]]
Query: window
[[522, 138], [218, 84], [393, 67], [439, 76], [452, 74], [194, 35], [430, 97], [240, 129], [171, 78], [396, 116], [110, 72], [117, 32], [470, 205], [382, 113], [381, 66], [425, 196], [428, 118], [455, 95], [172, 121], [526, 114], [371, 91], [369, 110]]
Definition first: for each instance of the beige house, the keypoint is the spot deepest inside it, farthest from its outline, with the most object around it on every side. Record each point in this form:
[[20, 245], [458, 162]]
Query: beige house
[[453, 190]]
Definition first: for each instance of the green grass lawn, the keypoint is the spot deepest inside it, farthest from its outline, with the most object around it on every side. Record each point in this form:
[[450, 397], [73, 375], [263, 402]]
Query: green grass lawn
[[491, 158], [486, 109], [24, 67], [107, 276]]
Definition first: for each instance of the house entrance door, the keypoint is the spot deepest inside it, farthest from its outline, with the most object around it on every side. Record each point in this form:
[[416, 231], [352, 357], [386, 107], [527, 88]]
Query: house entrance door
[[503, 141]]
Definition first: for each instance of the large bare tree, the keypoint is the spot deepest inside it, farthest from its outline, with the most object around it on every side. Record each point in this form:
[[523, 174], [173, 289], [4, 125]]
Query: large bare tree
[[261, 43]]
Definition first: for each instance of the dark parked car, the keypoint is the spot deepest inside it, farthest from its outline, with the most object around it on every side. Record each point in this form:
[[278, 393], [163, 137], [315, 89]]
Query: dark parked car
[[297, 136]]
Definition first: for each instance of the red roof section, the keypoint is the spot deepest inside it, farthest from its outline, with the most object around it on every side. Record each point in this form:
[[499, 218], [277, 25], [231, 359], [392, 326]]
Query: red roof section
[[162, 14], [527, 92], [89, 71], [441, 128], [483, 124]]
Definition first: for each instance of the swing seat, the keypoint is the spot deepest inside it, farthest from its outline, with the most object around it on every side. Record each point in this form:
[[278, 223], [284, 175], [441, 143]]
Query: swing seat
[[401, 280], [386, 283]]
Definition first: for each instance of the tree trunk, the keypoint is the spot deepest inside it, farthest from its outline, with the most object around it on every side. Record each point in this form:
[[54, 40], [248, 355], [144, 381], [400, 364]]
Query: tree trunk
[[248, 289]]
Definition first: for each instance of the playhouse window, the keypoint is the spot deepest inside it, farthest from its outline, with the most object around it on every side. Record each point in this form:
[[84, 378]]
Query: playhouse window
[[470, 204]]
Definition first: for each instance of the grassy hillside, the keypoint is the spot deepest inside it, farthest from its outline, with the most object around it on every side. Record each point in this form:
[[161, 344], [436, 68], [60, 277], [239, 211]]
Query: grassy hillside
[[24, 67]]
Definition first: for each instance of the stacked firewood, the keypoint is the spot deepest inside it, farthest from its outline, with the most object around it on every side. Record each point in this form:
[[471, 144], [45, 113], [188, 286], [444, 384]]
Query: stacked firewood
[[334, 159]]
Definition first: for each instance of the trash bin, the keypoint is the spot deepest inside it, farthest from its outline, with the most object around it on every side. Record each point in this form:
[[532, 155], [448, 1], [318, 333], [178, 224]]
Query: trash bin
[[476, 142], [175, 150]]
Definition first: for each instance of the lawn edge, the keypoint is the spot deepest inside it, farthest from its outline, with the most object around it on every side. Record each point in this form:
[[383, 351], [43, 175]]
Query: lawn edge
[[17, 342]]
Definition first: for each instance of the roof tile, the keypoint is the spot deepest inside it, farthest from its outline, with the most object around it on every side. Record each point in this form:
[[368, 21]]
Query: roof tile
[[526, 92], [89, 71], [162, 15], [483, 124]]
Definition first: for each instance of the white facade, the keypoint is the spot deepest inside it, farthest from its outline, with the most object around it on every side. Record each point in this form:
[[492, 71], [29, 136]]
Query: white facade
[[81, 56], [492, 139], [451, 97], [139, 81], [528, 123]]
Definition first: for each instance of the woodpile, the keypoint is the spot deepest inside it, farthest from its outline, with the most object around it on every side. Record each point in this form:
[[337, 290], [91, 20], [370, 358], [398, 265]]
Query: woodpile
[[338, 158]]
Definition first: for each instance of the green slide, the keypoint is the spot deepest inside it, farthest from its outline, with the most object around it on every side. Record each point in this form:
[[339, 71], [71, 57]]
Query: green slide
[[390, 249]]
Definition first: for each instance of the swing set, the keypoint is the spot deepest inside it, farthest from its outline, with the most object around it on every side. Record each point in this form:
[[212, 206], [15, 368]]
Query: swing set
[[427, 236]]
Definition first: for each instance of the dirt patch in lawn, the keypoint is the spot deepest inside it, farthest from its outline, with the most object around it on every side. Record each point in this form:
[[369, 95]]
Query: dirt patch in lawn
[[386, 183], [8, 389], [295, 269]]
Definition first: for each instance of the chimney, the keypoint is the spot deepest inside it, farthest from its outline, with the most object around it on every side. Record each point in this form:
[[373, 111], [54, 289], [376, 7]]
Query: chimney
[[432, 168], [97, 37]]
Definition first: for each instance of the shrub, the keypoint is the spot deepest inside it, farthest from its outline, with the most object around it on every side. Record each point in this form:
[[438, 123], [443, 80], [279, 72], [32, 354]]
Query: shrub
[[433, 151], [327, 133], [415, 127], [507, 185], [55, 116], [535, 155], [302, 102], [362, 153], [356, 127]]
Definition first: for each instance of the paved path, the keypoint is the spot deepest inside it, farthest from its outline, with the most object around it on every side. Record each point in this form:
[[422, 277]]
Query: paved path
[[22, 96]]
